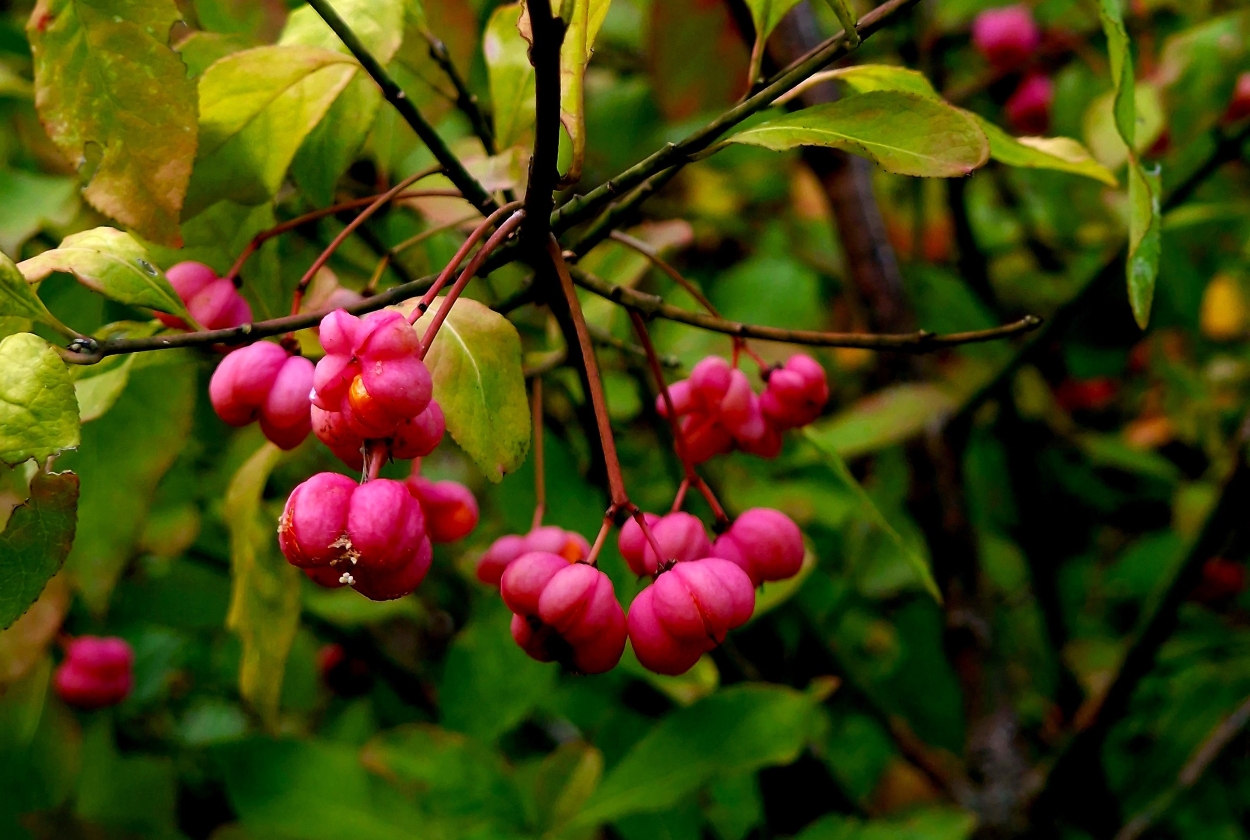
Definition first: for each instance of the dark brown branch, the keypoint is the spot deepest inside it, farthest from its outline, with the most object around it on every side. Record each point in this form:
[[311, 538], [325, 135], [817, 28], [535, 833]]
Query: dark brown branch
[[917, 342], [619, 213], [547, 32]]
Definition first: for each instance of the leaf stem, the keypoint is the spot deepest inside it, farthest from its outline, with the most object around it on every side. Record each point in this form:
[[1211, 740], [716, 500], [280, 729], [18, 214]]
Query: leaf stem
[[458, 257], [616, 483], [679, 436], [473, 191]]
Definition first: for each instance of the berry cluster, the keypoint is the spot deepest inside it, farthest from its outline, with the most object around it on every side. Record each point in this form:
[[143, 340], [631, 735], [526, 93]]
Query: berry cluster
[[566, 610], [370, 392], [212, 301], [547, 538], [1009, 39], [264, 382], [717, 410], [97, 672]]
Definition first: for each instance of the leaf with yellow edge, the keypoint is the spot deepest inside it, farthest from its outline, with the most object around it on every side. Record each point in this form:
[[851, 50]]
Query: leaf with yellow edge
[[265, 600]]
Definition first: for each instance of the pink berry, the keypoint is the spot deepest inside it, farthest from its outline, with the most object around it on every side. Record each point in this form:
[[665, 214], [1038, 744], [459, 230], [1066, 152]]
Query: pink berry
[[419, 436], [679, 535], [97, 672], [564, 610], [188, 280], [1028, 109], [450, 510], [387, 585], [1007, 37], [261, 381], [523, 581], [551, 538], [491, 565], [687, 612], [372, 534], [1239, 103], [372, 371], [717, 410], [796, 393], [548, 539], [215, 303], [765, 543], [332, 429]]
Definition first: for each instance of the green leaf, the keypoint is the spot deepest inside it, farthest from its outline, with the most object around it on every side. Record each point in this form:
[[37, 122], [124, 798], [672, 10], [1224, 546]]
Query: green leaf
[[106, 77], [1062, 154], [566, 778], [888, 417], [777, 593], [511, 76], [447, 773], [840, 470], [585, 18], [264, 603], [865, 78], [1145, 226], [33, 202], [18, 299], [38, 412], [735, 731], [332, 146], [489, 684], [312, 790], [903, 133], [684, 689], [123, 456], [99, 386], [476, 365], [1145, 238], [256, 108], [766, 14], [926, 824], [113, 263], [36, 541]]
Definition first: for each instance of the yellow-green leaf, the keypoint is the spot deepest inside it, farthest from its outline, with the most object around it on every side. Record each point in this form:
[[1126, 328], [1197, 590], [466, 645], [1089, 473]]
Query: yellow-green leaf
[[329, 148], [586, 16], [38, 412], [18, 299], [106, 77], [112, 263], [476, 364], [1062, 154], [902, 132], [265, 602], [511, 76], [256, 108]]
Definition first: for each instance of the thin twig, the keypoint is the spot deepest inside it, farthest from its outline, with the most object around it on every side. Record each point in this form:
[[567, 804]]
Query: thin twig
[[679, 154], [466, 101], [338, 240], [618, 213], [917, 342], [453, 294], [473, 191], [654, 256], [458, 257]]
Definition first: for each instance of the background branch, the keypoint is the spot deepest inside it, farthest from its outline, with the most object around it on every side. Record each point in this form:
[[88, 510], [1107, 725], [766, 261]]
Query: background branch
[[473, 192]]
